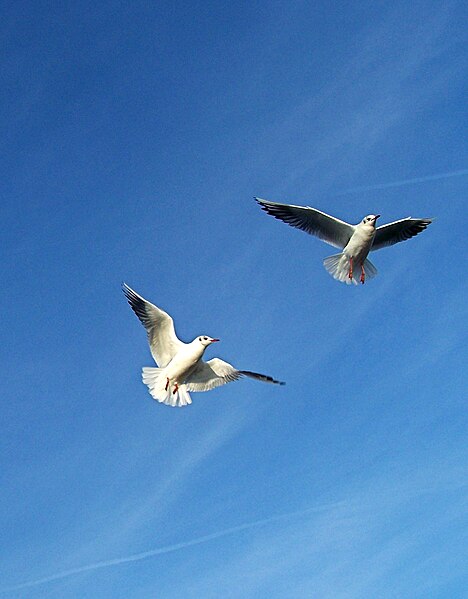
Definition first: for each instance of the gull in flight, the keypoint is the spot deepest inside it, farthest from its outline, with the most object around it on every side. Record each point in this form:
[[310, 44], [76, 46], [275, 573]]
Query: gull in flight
[[356, 241], [180, 365]]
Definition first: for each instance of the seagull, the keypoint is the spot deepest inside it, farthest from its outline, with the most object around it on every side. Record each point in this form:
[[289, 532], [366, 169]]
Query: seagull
[[356, 241], [180, 365]]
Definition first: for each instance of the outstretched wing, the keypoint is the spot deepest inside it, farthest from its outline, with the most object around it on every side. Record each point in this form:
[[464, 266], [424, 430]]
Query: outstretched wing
[[159, 326], [216, 372], [400, 230], [328, 228]]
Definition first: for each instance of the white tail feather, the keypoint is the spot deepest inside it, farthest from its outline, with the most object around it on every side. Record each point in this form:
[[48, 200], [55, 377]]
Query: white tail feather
[[370, 269], [156, 382], [338, 266]]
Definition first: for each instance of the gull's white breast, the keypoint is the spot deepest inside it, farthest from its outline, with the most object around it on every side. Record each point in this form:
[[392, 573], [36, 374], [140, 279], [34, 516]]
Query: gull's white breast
[[360, 243], [184, 362]]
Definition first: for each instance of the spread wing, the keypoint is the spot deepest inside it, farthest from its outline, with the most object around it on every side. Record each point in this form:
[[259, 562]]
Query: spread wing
[[216, 372], [400, 230], [159, 326], [328, 228]]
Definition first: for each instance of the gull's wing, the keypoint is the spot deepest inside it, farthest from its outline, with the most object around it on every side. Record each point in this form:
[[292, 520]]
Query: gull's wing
[[159, 326], [328, 228], [400, 230], [216, 372]]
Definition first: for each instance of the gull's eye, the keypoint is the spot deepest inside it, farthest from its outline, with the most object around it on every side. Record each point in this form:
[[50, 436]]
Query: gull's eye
[[205, 338]]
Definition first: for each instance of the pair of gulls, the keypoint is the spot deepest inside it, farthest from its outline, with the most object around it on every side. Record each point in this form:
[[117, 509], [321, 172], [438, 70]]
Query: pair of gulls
[[181, 368]]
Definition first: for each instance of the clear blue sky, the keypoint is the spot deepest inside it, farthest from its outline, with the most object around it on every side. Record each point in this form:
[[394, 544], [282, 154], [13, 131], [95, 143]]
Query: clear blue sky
[[135, 135]]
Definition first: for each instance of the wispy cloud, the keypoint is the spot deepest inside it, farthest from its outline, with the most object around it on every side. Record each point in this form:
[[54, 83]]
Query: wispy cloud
[[337, 127], [403, 182], [353, 549], [181, 465], [167, 549], [348, 321], [355, 530]]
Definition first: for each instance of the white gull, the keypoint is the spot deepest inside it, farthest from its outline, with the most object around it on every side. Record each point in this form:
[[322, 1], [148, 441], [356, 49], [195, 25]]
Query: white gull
[[356, 241], [180, 365]]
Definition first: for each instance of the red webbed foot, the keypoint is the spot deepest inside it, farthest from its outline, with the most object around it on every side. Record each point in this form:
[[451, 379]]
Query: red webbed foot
[[350, 274]]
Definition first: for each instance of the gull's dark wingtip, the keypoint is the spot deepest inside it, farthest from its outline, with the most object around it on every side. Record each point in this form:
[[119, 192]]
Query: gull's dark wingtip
[[261, 377], [268, 207], [421, 225], [132, 297], [128, 291]]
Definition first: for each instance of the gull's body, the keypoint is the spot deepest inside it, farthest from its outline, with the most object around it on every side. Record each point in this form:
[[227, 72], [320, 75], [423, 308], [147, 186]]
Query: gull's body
[[356, 241], [360, 243], [180, 365], [185, 361], [355, 252]]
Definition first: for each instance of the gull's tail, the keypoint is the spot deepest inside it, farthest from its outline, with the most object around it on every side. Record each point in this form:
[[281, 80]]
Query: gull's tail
[[338, 266], [156, 382]]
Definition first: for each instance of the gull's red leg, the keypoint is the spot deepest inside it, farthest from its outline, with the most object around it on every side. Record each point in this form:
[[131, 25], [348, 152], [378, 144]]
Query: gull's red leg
[[350, 274], [176, 388], [167, 384], [363, 274]]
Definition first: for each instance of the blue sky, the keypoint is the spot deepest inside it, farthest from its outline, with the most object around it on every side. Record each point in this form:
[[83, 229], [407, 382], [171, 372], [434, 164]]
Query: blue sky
[[136, 135]]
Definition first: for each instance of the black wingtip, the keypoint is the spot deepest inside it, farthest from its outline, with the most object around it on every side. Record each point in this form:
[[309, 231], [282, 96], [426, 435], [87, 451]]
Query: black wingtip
[[261, 377], [128, 291], [266, 206], [132, 297], [422, 225]]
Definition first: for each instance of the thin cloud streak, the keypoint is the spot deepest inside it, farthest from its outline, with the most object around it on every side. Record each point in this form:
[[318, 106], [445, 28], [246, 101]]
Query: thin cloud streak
[[168, 548], [404, 182], [361, 104], [167, 490]]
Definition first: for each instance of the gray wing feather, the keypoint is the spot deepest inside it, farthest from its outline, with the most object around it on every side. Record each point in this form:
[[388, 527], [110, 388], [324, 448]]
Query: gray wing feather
[[159, 326], [211, 374], [400, 230], [217, 372], [328, 228]]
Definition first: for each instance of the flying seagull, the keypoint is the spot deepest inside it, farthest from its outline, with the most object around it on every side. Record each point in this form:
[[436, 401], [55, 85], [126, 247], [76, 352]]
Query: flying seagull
[[356, 241], [180, 365]]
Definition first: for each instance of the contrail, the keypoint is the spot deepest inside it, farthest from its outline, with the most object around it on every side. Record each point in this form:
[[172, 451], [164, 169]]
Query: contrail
[[405, 182], [135, 557]]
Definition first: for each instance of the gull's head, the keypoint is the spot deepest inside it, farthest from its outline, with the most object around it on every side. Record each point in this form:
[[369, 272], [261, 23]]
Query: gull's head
[[370, 219], [206, 341]]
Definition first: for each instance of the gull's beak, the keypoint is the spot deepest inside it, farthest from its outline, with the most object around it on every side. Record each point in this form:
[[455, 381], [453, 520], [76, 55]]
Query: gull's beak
[[214, 340], [376, 217]]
